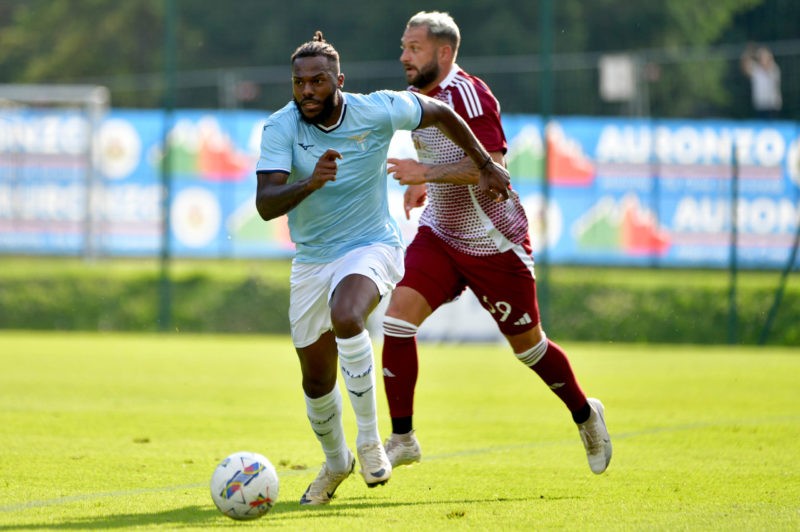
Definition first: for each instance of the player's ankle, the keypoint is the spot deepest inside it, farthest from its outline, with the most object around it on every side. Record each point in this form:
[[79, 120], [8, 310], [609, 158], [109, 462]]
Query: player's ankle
[[402, 425]]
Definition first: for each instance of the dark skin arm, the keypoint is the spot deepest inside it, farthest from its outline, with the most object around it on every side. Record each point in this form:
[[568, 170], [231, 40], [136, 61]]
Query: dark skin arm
[[275, 197]]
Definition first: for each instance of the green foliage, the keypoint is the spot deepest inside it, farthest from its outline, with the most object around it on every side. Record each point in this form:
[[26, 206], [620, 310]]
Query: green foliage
[[123, 42], [121, 431], [102, 38], [603, 304], [704, 22], [670, 306], [124, 296]]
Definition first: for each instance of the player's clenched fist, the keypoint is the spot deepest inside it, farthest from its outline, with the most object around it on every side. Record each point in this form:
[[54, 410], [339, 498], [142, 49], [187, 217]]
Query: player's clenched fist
[[325, 170], [494, 181]]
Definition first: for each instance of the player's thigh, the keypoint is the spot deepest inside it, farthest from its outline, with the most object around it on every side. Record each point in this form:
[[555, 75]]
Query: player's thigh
[[408, 305], [362, 277], [431, 272], [380, 263], [506, 287]]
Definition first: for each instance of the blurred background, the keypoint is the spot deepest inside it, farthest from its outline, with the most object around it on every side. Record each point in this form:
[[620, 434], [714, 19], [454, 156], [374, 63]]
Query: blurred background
[[684, 55], [129, 133]]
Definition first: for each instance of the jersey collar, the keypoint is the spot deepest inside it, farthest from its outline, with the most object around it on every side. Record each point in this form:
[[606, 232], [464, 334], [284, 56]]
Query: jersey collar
[[449, 79], [454, 70], [328, 129]]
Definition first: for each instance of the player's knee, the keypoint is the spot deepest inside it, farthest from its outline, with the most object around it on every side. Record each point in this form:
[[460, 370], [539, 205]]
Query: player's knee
[[534, 354], [349, 315], [347, 324], [524, 341], [318, 384]]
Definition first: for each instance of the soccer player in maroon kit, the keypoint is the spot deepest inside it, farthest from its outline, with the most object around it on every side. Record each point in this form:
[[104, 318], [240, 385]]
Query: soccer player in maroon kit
[[468, 237]]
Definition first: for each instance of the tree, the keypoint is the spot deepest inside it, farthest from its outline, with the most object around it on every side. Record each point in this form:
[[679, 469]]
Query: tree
[[50, 42], [121, 44]]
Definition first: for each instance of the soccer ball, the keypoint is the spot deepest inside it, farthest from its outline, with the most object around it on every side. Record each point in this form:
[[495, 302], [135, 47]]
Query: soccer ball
[[244, 486]]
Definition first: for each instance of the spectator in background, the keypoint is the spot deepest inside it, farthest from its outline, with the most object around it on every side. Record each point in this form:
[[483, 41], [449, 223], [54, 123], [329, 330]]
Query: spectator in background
[[765, 81]]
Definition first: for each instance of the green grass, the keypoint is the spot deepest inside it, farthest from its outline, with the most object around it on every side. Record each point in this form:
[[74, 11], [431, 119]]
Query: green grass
[[23, 267], [251, 297], [122, 431]]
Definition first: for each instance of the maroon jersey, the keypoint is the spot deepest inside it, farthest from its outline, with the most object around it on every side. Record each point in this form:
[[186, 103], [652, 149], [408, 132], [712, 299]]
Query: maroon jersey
[[462, 216]]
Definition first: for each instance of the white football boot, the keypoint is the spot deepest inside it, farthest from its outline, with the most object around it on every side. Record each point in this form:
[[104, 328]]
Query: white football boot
[[324, 486], [403, 449], [596, 440], [375, 466]]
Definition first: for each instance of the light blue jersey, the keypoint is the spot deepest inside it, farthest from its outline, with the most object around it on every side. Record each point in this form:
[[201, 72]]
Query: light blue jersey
[[353, 210]]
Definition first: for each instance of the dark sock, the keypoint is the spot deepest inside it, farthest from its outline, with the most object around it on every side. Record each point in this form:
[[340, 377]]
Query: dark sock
[[400, 370], [402, 425], [581, 415], [555, 370]]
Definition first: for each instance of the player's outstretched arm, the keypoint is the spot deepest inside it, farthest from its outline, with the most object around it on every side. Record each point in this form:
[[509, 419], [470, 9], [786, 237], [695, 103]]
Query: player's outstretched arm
[[463, 172], [275, 196], [493, 179]]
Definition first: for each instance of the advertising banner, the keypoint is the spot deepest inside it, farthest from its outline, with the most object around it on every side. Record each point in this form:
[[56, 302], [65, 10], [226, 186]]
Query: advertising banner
[[620, 191], [660, 193]]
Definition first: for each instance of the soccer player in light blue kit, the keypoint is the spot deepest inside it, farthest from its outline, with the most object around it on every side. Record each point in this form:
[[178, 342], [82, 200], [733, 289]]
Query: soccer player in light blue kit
[[323, 162]]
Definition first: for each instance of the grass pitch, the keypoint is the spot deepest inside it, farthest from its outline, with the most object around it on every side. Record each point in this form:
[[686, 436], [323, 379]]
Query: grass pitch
[[123, 431]]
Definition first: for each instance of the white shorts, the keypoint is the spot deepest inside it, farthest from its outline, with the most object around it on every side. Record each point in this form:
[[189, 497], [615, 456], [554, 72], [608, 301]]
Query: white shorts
[[311, 286]]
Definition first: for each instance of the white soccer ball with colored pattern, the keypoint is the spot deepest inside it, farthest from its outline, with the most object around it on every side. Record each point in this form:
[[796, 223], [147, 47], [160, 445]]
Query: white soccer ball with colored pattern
[[244, 486]]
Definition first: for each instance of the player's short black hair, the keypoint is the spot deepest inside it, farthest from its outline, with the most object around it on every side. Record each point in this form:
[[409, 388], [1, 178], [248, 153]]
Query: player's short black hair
[[318, 46]]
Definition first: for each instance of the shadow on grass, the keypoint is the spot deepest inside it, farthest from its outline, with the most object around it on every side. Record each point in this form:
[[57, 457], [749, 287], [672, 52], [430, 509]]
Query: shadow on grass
[[186, 516], [291, 511], [209, 517]]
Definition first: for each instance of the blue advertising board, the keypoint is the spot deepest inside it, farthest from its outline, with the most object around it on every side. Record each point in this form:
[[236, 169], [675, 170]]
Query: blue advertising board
[[636, 192]]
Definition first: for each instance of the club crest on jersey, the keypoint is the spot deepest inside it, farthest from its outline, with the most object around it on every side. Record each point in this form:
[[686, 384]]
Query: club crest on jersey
[[424, 153], [360, 140]]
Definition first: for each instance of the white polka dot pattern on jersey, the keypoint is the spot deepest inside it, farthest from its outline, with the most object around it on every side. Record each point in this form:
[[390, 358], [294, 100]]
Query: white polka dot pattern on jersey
[[461, 215]]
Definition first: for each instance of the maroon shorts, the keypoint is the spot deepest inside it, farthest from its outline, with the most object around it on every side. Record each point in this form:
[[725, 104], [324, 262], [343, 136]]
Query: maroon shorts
[[504, 283]]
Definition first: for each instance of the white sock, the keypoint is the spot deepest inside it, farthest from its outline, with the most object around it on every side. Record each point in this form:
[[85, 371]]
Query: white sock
[[325, 416], [534, 354], [356, 359]]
